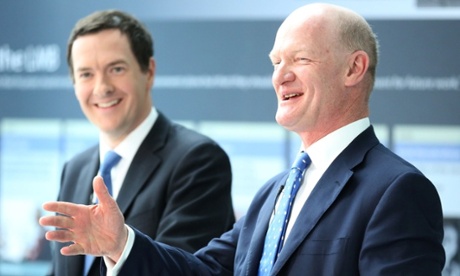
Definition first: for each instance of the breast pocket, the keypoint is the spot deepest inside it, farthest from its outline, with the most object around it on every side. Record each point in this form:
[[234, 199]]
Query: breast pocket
[[324, 257]]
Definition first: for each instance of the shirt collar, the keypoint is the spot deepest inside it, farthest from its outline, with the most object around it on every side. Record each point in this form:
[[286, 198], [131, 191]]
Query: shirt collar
[[323, 152], [128, 147]]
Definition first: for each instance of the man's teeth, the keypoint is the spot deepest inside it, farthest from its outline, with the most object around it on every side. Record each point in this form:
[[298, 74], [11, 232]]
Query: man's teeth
[[287, 96], [108, 104]]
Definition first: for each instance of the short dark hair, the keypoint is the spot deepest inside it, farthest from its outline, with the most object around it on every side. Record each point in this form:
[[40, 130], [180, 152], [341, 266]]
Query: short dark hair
[[139, 37]]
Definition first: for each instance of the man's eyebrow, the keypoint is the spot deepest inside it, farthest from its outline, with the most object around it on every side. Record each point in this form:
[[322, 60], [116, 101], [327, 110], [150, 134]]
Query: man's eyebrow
[[117, 62], [272, 54], [113, 63], [84, 68]]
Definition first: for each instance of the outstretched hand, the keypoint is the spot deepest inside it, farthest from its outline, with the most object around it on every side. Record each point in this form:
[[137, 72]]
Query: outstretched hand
[[97, 230]]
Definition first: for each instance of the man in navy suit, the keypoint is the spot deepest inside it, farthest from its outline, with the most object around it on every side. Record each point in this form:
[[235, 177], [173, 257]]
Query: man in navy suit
[[172, 183], [361, 209]]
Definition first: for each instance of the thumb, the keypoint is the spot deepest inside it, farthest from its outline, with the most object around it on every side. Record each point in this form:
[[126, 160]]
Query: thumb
[[101, 191]]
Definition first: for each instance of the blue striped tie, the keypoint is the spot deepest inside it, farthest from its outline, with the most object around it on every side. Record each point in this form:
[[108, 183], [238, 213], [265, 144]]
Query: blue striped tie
[[274, 238]]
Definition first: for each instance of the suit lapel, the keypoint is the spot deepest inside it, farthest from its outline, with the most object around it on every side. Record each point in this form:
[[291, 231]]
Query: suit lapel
[[144, 163], [325, 193], [257, 242]]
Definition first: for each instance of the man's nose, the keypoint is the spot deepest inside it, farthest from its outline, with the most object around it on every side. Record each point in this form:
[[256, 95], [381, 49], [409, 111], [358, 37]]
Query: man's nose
[[103, 86]]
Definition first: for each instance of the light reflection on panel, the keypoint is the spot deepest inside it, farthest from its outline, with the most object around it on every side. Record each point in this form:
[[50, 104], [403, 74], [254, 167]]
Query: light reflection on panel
[[383, 134], [257, 152], [29, 176], [32, 154], [435, 150], [77, 136]]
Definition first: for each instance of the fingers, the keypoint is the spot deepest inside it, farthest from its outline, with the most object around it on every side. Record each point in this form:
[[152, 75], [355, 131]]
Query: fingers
[[65, 236], [102, 192], [57, 221], [64, 208], [72, 209], [91, 229], [73, 249], [60, 235]]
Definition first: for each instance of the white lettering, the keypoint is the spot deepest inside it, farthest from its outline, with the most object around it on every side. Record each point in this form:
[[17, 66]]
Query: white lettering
[[34, 58]]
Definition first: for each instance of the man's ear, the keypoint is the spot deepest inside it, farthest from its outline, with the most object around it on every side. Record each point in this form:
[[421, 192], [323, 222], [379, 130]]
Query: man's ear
[[152, 66], [358, 63]]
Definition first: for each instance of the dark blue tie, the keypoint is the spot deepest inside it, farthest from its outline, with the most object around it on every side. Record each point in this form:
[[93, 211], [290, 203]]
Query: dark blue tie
[[111, 158], [274, 239]]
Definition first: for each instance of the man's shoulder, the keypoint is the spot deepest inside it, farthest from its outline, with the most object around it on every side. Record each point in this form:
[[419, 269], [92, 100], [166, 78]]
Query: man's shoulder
[[178, 131], [186, 135]]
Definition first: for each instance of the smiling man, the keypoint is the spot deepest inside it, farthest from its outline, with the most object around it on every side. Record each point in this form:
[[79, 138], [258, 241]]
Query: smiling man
[[171, 182], [111, 87]]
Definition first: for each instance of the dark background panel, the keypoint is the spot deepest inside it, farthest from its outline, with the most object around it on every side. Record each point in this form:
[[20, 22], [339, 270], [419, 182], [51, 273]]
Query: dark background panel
[[408, 49]]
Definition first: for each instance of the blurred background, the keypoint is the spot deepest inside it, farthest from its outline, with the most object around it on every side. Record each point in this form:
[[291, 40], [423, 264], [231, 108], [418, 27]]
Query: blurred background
[[214, 75]]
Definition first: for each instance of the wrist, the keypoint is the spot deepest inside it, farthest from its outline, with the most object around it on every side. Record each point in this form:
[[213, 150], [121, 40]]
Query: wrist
[[120, 246]]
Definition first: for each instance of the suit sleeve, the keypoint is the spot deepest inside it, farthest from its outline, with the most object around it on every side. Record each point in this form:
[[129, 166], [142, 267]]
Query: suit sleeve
[[404, 235], [198, 204], [148, 257]]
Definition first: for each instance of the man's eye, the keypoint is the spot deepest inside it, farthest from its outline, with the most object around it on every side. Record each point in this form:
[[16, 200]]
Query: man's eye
[[118, 69], [84, 75], [303, 59]]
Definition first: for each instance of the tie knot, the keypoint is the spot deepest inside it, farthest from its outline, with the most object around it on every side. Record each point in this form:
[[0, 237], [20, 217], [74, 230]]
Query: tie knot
[[302, 161], [111, 158]]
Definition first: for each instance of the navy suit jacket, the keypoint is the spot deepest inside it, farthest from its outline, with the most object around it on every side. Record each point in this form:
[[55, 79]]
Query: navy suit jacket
[[372, 213], [177, 190]]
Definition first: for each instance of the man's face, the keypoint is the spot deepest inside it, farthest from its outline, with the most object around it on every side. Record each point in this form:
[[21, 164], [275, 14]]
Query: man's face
[[113, 92], [308, 75]]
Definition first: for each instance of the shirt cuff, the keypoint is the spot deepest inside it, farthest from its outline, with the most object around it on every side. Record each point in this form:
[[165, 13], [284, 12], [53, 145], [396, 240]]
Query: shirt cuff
[[114, 268]]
